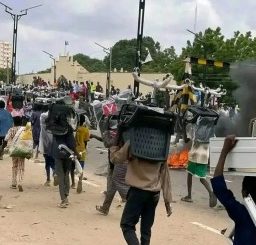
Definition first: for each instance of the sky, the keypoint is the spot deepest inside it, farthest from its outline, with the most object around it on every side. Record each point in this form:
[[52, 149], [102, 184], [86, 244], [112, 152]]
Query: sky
[[84, 22]]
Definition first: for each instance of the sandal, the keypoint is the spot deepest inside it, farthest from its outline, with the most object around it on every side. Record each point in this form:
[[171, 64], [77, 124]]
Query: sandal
[[13, 186], [186, 199], [102, 210], [62, 205], [66, 202]]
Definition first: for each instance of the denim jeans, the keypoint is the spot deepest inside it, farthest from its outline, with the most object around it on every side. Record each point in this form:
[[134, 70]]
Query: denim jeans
[[49, 164], [140, 204]]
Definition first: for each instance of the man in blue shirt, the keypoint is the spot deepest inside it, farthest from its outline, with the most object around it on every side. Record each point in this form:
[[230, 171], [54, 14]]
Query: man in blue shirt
[[6, 122], [245, 230]]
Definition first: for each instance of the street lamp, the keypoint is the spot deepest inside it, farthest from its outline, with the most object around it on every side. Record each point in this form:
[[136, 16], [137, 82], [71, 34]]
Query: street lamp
[[54, 64], [109, 52], [16, 18], [200, 40], [205, 52]]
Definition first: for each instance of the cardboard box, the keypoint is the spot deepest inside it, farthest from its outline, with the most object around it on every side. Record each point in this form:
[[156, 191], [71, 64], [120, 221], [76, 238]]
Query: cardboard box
[[240, 161]]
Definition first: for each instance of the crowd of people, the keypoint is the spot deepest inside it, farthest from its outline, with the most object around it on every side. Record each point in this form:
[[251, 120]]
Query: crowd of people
[[88, 89], [138, 181]]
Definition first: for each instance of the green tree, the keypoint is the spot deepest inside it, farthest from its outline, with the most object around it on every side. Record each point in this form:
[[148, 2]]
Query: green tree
[[90, 64], [3, 74], [239, 47], [210, 44], [48, 70], [124, 53]]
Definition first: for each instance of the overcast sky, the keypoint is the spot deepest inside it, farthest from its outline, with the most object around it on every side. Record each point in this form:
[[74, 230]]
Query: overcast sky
[[83, 22]]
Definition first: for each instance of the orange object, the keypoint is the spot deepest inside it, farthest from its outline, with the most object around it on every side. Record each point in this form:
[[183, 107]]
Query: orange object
[[183, 159], [178, 159]]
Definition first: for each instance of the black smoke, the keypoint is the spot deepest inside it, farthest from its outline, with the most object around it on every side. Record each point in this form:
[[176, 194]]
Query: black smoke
[[244, 74]]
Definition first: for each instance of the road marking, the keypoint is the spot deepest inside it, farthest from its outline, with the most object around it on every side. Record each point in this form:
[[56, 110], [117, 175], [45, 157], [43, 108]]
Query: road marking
[[229, 181], [207, 228], [104, 150], [88, 182], [209, 176], [91, 184]]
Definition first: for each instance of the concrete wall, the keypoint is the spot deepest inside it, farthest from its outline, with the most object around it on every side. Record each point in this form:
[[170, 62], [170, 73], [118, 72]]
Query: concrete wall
[[70, 69], [74, 71], [119, 80]]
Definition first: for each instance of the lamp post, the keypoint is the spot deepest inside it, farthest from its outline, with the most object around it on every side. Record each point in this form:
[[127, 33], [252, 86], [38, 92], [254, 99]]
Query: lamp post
[[205, 53], [16, 18], [54, 64], [109, 52]]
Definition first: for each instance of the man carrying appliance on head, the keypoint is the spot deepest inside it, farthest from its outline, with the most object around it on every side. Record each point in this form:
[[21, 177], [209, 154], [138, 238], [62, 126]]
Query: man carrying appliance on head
[[62, 122], [146, 178]]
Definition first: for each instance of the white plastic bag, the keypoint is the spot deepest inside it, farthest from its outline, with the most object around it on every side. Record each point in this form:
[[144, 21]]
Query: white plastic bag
[[78, 168]]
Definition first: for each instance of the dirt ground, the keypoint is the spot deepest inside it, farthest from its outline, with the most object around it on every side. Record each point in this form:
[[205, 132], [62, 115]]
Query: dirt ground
[[32, 217]]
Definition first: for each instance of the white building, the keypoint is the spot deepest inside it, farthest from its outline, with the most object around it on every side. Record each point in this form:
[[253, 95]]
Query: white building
[[5, 54]]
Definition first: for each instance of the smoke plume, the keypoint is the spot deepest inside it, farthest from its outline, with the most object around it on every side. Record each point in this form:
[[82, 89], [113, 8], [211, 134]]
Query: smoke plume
[[225, 126], [244, 74]]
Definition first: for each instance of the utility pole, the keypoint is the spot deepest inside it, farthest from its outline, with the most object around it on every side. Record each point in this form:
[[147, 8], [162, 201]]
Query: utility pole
[[139, 43], [54, 65], [16, 18], [7, 71], [109, 52]]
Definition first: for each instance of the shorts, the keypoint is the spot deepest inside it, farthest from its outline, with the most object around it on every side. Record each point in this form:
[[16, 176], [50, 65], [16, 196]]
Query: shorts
[[197, 169]]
